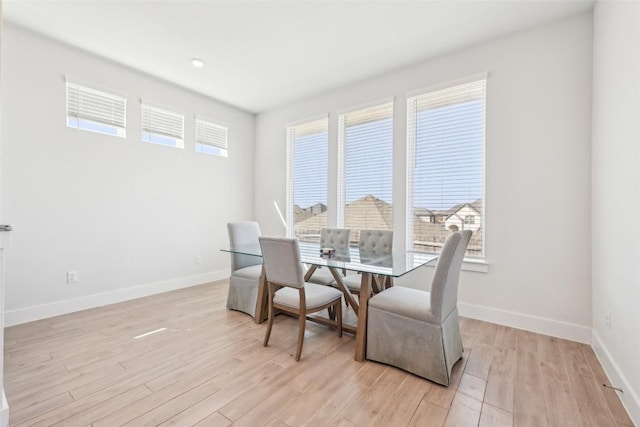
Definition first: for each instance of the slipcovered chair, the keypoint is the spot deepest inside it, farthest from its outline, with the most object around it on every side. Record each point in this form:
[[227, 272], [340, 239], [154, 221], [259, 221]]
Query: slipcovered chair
[[245, 269], [419, 331], [338, 239], [372, 244], [284, 270]]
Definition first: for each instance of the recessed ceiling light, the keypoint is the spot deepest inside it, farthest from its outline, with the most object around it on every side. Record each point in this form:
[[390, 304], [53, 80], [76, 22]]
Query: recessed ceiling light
[[198, 63]]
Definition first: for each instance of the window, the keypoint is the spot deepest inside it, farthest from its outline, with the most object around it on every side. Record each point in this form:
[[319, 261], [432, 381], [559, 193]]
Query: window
[[95, 110], [211, 138], [365, 165], [307, 156], [445, 154], [162, 127]]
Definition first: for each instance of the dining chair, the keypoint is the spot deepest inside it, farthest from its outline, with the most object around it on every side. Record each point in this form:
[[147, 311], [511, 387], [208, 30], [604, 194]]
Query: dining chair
[[245, 269], [288, 292], [335, 238], [372, 244], [419, 331]]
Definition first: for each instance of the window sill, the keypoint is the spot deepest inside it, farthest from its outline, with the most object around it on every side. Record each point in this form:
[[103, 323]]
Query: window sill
[[477, 266]]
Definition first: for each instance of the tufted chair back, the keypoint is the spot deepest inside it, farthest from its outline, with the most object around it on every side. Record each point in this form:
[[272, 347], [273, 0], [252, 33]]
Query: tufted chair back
[[336, 238], [376, 242]]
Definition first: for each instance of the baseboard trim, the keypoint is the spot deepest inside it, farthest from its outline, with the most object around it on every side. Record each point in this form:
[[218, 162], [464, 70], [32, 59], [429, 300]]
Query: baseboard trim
[[527, 322], [29, 314], [4, 411], [629, 398]]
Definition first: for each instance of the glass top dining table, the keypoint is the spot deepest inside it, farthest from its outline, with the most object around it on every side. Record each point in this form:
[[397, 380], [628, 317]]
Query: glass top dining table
[[376, 271], [395, 264]]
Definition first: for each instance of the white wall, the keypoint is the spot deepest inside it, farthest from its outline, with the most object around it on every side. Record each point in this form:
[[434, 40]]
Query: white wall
[[129, 216], [616, 196], [537, 168]]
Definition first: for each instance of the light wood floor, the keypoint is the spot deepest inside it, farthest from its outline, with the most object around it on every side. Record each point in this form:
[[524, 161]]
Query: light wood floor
[[209, 368]]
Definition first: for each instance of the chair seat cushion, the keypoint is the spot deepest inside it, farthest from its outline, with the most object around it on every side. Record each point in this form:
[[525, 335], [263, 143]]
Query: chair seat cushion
[[251, 272], [406, 302], [322, 276], [316, 296], [353, 282]]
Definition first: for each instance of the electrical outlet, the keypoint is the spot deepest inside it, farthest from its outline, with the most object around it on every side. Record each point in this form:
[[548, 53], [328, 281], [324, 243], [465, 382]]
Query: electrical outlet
[[609, 319], [198, 259], [72, 276]]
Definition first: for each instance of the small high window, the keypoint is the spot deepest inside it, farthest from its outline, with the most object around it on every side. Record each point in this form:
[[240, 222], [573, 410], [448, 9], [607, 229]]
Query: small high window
[[211, 138], [96, 111], [162, 127]]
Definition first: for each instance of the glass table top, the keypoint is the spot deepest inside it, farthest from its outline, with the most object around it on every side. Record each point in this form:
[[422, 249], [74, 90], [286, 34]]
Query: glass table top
[[394, 265]]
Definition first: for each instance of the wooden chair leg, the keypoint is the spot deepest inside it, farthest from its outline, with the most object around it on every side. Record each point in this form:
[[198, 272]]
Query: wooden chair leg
[[302, 318], [271, 315], [332, 313]]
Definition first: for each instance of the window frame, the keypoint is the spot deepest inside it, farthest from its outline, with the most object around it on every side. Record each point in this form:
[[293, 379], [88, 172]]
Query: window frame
[[152, 134], [105, 104], [410, 164], [289, 221], [342, 154], [201, 141]]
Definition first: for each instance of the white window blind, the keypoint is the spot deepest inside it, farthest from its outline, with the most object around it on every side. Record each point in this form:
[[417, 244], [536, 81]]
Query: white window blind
[[211, 138], [95, 110], [365, 142], [163, 127], [307, 179], [445, 155]]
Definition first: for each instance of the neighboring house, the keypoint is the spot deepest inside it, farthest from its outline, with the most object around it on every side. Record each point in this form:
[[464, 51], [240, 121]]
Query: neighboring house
[[425, 215], [466, 216], [368, 212], [316, 209]]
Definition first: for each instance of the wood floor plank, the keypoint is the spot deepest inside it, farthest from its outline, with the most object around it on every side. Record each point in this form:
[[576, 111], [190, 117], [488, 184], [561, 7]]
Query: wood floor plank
[[472, 386], [502, 379], [610, 395], [465, 411], [552, 364], [263, 412], [196, 413], [330, 413], [365, 409], [215, 420], [506, 338], [591, 403], [562, 408], [181, 402], [529, 405], [495, 417], [573, 358], [202, 364], [480, 360], [36, 408], [401, 405], [82, 412], [428, 415], [526, 341]]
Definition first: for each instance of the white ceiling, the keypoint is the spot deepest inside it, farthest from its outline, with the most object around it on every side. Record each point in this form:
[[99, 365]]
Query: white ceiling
[[262, 54]]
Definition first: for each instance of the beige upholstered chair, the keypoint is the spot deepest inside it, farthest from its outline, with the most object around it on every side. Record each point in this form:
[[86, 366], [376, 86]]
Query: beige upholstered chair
[[283, 268], [372, 244], [245, 269], [338, 239], [419, 331]]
